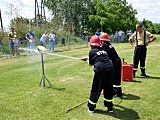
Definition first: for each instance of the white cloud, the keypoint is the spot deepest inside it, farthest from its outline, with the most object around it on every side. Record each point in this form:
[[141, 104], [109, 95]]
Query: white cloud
[[147, 9], [25, 8]]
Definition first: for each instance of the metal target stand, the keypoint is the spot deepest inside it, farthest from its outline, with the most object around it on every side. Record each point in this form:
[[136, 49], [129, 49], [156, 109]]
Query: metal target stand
[[42, 82]]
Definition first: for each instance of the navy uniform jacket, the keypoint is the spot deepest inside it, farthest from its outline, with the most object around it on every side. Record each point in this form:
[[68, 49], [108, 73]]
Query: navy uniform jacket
[[99, 58], [107, 46]]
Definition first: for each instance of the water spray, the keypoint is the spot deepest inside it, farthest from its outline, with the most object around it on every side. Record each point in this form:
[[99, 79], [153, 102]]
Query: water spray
[[62, 55], [44, 52]]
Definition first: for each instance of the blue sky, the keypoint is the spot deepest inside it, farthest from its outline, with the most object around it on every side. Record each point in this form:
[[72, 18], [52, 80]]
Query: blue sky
[[147, 9]]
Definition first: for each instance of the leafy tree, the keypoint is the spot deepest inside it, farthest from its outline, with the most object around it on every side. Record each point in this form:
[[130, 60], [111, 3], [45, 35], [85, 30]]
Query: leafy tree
[[157, 28], [79, 15], [21, 26], [113, 15], [69, 14], [151, 27]]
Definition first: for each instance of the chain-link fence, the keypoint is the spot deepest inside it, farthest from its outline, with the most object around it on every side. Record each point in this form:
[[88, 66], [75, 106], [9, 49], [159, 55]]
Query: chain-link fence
[[61, 44], [119, 39]]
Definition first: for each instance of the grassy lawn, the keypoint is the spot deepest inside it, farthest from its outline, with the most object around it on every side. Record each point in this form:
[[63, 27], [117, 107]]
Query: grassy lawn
[[22, 98]]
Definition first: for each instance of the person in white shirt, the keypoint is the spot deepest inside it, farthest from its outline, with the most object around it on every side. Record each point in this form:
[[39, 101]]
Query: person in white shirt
[[52, 37], [120, 35], [43, 39]]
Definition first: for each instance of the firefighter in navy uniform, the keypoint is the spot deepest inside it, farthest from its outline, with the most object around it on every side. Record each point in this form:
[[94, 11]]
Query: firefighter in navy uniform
[[113, 56], [140, 37], [103, 75]]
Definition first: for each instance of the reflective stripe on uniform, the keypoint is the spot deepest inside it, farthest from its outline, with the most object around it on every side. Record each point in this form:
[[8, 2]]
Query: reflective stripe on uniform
[[142, 67], [92, 102], [88, 61], [135, 68], [108, 100], [117, 86]]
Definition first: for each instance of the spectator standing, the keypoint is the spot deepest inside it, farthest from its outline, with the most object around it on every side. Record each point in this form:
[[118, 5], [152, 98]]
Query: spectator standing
[[30, 38], [63, 41], [97, 32], [16, 45], [120, 35], [128, 34], [140, 51], [11, 38], [1, 47], [116, 36], [52, 37], [43, 39]]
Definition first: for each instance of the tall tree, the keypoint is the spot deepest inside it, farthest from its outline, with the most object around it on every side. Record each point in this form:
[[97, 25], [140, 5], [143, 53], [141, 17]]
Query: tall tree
[[69, 14], [107, 15], [21, 26], [113, 15]]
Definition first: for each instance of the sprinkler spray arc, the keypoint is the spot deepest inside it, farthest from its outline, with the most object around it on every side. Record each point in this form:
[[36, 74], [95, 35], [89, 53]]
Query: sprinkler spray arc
[[42, 50]]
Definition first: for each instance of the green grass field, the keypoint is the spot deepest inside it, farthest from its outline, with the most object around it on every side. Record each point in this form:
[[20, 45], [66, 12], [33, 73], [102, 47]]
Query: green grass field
[[23, 99]]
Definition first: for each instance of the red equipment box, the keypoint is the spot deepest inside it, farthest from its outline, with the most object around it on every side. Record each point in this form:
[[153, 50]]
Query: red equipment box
[[127, 72]]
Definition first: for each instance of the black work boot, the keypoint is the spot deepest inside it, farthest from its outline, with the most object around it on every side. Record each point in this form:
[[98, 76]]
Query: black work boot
[[134, 73], [143, 73], [114, 92], [117, 92], [109, 106]]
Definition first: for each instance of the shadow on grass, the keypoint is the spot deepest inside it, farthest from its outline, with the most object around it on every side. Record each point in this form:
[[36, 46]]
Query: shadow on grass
[[54, 87], [57, 88], [61, 50], [7, 56], [150, 77], [123, 114], [23, 55], [130, 97], [134, 80]]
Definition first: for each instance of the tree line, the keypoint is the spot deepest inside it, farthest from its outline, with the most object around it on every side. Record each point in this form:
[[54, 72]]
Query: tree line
[[107, 15], [76, 16]]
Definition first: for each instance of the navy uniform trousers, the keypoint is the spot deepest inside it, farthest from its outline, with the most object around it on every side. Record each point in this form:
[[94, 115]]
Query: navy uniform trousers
[[117, 71], [139, 55], [102, 81]]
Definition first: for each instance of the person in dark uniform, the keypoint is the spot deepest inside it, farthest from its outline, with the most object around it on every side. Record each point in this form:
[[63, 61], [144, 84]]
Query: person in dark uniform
[[141, 37], [113, 56], [103, 75]]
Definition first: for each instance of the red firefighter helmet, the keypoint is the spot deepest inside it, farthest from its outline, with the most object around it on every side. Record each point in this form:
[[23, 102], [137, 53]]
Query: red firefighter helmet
[[104, 37], [94, 41]]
